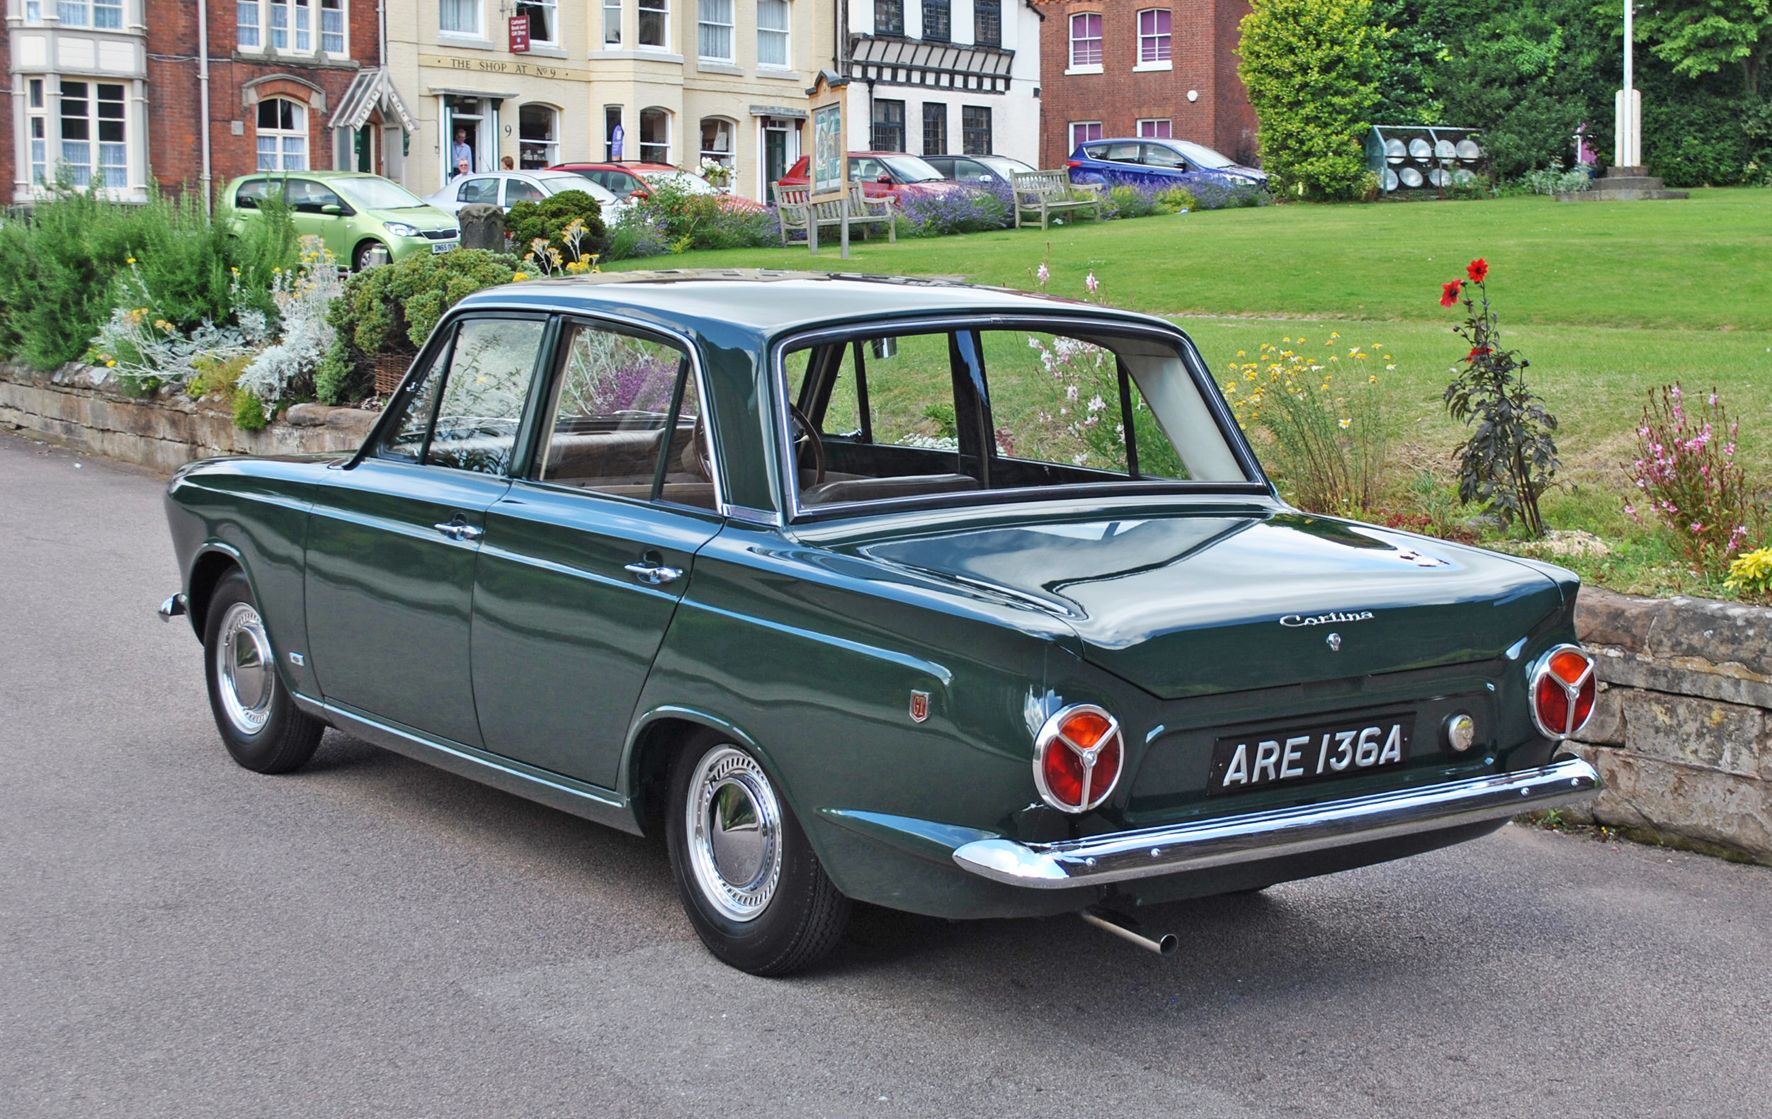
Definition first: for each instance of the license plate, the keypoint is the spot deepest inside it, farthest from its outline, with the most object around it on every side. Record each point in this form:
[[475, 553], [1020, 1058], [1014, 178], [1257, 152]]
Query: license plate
[[445, 246], [1316, 752]]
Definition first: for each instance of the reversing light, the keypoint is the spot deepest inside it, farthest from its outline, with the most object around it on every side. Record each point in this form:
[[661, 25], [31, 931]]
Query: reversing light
[[1078, 755], [1563, 689]]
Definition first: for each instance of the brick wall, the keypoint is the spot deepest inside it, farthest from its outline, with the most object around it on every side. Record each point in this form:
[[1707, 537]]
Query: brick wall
[[8, 164], [237, 81], [1203, 54]]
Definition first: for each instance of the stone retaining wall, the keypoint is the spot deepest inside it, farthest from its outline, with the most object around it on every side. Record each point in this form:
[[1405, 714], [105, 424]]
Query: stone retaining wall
[[1682, 733], [80, 406]]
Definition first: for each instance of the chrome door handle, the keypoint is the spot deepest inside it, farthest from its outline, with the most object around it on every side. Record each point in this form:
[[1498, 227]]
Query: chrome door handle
[[653, 574], [459, 530]]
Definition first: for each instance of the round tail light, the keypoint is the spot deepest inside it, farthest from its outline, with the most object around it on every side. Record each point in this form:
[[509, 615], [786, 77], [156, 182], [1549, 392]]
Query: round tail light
[[1078, 755], [1563, 689]]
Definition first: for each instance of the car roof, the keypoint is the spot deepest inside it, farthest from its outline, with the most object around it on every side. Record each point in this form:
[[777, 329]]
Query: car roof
[[617, 166], [331, 176], [765, 303]]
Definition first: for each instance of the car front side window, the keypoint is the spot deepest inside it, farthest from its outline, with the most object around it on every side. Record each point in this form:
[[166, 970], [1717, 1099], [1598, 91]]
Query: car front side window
[[465, 412]]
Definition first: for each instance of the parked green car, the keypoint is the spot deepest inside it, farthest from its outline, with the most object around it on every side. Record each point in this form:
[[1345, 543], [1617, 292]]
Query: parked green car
[[364, 219], [960, 601]]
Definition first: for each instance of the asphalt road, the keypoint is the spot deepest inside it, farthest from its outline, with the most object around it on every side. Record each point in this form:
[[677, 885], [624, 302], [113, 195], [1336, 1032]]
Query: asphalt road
[[370, 936]]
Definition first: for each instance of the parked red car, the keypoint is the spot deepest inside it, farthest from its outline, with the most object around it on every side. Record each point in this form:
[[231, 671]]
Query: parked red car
[[635, 180], [884, 175]]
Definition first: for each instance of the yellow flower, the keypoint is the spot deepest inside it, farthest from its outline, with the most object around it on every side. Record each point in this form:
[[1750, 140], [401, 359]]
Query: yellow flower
[[111, 363], [131, 260], [1372, 380], [519, 276]]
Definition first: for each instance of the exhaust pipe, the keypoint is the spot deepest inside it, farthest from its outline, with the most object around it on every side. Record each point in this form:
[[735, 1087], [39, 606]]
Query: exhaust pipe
[[1126, 929]]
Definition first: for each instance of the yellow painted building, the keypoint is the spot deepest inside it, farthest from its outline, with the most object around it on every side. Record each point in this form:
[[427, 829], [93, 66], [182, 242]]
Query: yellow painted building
[[668, 81]]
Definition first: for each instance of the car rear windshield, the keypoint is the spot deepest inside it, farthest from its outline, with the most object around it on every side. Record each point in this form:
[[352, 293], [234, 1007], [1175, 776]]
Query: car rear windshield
[[939, 413], [378, 194]]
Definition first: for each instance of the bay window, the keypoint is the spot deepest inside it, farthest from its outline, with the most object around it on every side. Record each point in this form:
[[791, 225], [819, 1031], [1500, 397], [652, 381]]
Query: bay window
[[655, 23], [94, 144]]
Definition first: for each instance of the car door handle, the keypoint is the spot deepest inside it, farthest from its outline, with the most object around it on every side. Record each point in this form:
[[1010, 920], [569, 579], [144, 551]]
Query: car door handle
[[459, 530], [653, 573]]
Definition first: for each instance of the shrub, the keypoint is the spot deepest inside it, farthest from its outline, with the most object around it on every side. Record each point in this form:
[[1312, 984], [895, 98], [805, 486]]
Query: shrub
[[303, 296], [56, 267], [1510, 458], [1223, 194], [1552, 180], [1312, 69], [393, 309], [1750, 574], [681, 220], [635, 236], [1686, 476], [972, 210], [1125, 200], [549, 218], [1321, 415]]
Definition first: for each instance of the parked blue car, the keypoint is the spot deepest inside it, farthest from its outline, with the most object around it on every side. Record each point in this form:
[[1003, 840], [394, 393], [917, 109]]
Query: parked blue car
[[1157, 162]]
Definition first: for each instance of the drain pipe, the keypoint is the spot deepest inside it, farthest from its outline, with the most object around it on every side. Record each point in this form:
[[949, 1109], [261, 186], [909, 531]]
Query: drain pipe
[[207, 178], [1127, 929]]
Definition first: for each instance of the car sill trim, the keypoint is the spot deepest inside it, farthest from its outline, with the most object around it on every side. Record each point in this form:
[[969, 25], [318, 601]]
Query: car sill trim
[[1122, 856], [590, 802]]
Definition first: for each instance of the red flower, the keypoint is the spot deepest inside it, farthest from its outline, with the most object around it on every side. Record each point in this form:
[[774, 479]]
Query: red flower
[[1449, 292], [1476, 353], [1477, 270]]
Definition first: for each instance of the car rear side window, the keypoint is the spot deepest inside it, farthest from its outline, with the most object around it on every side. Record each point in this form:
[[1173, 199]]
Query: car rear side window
[[465, 411], [625, 419]]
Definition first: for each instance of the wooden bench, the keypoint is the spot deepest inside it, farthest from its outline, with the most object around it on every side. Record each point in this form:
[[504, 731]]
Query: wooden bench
[[794, 211], [1051, 192]]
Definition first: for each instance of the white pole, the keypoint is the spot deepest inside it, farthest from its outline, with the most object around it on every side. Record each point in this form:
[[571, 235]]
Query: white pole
[[1629, 147]]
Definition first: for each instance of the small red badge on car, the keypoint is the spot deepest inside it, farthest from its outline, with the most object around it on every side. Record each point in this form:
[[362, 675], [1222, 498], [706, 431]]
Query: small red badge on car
[[919, 706]]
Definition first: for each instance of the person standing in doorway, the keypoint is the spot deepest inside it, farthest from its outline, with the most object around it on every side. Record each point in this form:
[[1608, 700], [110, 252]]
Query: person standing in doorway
[[461, 153]]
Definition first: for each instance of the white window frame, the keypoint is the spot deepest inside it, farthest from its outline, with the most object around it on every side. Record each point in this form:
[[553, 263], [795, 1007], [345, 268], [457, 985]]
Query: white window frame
[[281, 153], [1167, 124], [728, 155], [341, 12], [714, 30], [553, 8], [1077, 67], [37, 132], [102, 15], [476, 7], [641, 144], [1079, 141], [99, 155], [550, 146], [33, 10], [663, 7], [612, 23], [782, 34], [1161, 44]]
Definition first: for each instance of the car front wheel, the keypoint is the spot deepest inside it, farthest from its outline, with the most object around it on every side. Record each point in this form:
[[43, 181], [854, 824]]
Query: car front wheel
[[260, 725], [369, 254], [748, 879]]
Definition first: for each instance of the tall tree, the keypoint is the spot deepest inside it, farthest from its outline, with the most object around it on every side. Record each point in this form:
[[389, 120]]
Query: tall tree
[[1699, 37]]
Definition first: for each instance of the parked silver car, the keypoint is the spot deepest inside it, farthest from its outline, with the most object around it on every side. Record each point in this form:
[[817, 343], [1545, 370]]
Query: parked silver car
[[505, 189]]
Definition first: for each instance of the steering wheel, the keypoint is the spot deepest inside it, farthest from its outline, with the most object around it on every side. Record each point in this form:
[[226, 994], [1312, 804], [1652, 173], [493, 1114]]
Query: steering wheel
[[808, 438]]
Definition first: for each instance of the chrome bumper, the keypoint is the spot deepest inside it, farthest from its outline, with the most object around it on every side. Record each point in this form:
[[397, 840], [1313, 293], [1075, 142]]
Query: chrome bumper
[[1268, 835], [172, 607]]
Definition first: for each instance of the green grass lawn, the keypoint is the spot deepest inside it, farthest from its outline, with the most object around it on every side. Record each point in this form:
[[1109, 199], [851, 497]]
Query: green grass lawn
[[1606, 300]]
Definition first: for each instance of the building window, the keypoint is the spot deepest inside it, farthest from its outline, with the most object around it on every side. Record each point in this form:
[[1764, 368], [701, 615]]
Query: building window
[[936, 26], [716, 139], [88, 13], [95, 149], [889, 17], [773, 20], [282, 135], [459, 17], [290, 24], [987, 23], [655, 23], [655, 135], [544, 27], [612, 23], [38, 127], [715, 30], [1086, 39], [1152, 128], [1153, 35], [247, 17], [935, 128], [1083, 131], [538, 136], [612, 133], [975, 129], [332, 26], [33, 10], [887, 133]]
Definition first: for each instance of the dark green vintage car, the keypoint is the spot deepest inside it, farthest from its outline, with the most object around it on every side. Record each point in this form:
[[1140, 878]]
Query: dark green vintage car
[[959, 601]]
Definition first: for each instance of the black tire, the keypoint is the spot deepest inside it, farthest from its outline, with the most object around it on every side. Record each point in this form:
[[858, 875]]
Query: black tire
[[360, 256], [793, 916], [260, 725]]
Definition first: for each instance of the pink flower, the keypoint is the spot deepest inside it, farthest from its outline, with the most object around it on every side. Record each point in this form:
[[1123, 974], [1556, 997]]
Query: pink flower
[[1091, 283], [1697, 526], [1713, 398], [1042, 274]]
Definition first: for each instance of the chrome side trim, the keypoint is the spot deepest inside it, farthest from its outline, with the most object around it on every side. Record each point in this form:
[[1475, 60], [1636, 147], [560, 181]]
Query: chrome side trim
[[1288, 831], [590, 802]]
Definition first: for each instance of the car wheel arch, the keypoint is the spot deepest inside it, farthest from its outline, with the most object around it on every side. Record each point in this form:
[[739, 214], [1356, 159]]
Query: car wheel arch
[[209, 568], [369, 243], [653, 744]]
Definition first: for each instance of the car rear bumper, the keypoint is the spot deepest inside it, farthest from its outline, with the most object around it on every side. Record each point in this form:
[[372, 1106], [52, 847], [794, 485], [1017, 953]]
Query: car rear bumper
[[1123, 856]]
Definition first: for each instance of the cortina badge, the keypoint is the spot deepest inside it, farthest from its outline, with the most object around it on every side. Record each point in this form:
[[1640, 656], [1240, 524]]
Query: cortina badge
[[919, 706]]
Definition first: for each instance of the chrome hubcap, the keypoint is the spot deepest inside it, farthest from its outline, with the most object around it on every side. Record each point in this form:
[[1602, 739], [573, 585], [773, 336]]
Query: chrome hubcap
[[244, 668], [734, 825]]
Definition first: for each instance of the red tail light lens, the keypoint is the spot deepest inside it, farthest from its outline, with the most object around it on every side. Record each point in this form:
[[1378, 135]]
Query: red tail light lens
[[1073, 163], [1563, 691], [1078, 755]]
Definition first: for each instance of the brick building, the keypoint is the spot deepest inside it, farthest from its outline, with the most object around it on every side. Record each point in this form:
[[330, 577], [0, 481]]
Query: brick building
[[111, 93], [1142, 68]]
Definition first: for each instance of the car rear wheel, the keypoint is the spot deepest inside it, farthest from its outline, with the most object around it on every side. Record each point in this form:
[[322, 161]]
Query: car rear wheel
[[260, 725], [368, 255], [748, 879]]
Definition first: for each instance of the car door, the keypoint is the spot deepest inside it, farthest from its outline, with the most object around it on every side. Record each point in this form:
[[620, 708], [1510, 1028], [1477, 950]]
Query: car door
[[588, 555], [392, 541], [1120, 162], [308, 202], [521, 190], [480, 190], [1164, 164]]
